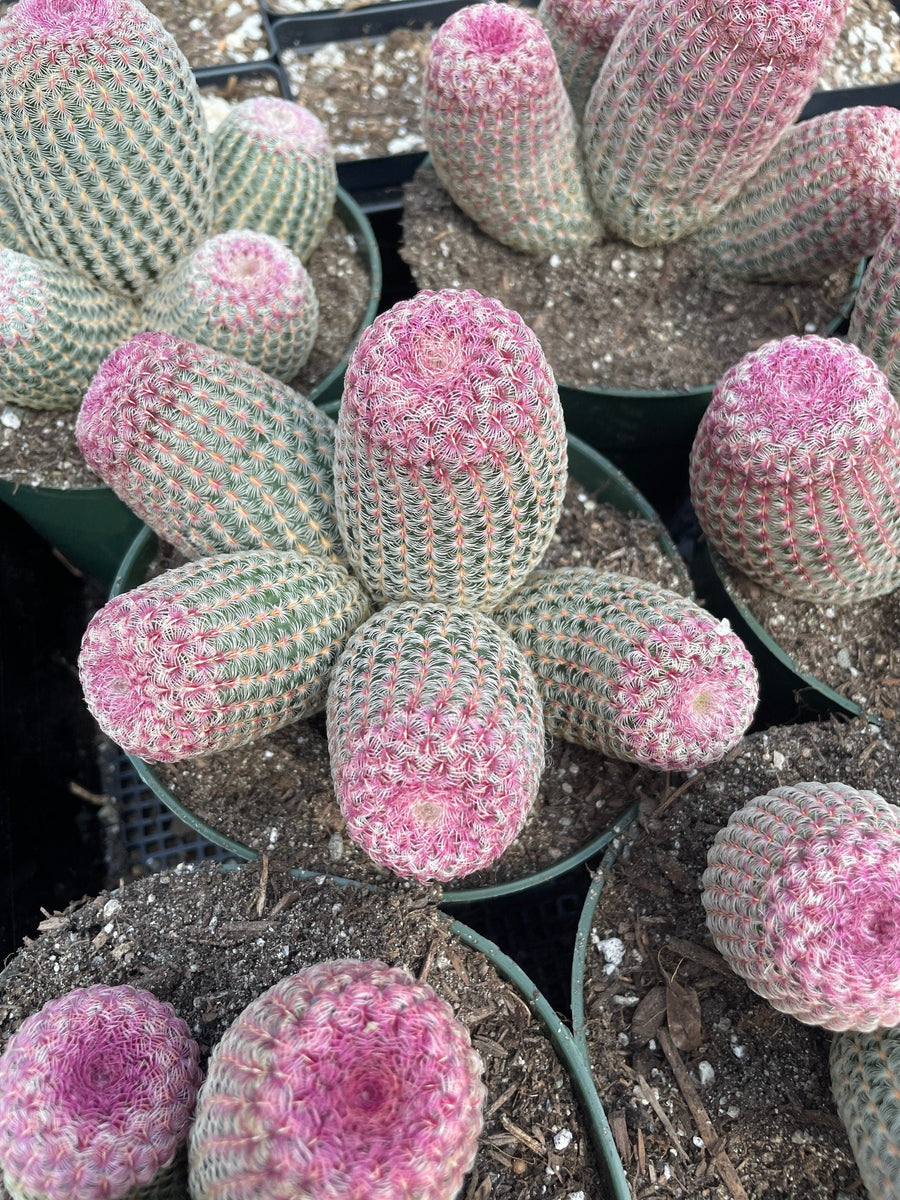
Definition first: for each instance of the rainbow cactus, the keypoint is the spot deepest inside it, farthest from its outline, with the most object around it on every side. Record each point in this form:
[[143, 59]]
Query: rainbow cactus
[[634, 671], [102, 138], [56, 328], [802, 898], [865, 1082], [97, 1091], [501, 131], [210, 452], [821, 201], [217, 653], [275, 172], [875, 320], [436, 740], [450, 451], [350, 1078], [689, 102], [243, 293], [13, 235], [581, 33], [795, 471]]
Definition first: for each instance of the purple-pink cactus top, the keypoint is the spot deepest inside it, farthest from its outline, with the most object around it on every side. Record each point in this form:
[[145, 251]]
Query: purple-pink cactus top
[[282, 125], [249, 280], [492, 54]]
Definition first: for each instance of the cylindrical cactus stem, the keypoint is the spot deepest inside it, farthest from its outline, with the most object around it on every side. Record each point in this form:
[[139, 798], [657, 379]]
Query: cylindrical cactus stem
[[581, 33], [821, 201], [350, 1078], [211, 453], [802, 898], [450, 451], [875, 320], [102, 138], [97, 1091], [865, 1083], [501, 132], [630, 669], [275, 172], [690, 101], [436, 740], [13, 234], [795, 471], [216, 653], [243, 293], [56, 328]]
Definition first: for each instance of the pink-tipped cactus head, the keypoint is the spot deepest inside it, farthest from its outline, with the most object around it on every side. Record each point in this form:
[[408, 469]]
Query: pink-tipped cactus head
[[253, 273], [506, 46], [348, 1079], [64, 21], [97, 1091], [802, 897], [786, 30], [281, 125]]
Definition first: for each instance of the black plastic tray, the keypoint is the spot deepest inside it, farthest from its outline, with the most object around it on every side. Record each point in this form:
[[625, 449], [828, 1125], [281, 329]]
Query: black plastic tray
[[208, 77]]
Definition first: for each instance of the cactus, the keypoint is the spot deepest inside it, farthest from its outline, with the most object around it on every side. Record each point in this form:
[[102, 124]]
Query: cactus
[[102, 139], [501, 131], [581, 33], [691, 100], [821, 201], [795, 471], [632, 670], [97, 1091], [865, 1081], [275, 172], [802, 898], [436, 740], [210, 452], [245, 294], [450, 451], [875, 320], [216, 653], [56, 328], [12, 231], [348, 1079]]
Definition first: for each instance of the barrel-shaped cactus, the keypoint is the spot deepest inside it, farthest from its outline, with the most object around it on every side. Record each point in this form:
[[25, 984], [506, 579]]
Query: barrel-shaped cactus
[[802, 898], [875, 320], [630, 669], [795, 471], [691, 100], [243, 293], [102, 139], [97, 1091], [436, 740], [209, 451], [275, 173], [865, 1082], [56, 327], [581, 32], [501, 131], [13, 234], [450, 451], [821, 201], [216, 653], [350, 1078]]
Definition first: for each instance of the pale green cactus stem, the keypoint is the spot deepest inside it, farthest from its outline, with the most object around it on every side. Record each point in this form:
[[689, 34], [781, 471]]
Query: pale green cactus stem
[[13, 234], [865, 1082], [875, 320], [581, 33]]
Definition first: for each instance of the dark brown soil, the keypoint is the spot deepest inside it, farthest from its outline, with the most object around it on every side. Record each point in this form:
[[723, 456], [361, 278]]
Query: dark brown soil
[[212, 33], [208, 942], [612, 315], [761, 1077]]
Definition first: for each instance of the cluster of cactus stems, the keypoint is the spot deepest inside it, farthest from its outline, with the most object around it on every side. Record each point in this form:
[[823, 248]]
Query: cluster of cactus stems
[[350, 1078], [865, 1082]]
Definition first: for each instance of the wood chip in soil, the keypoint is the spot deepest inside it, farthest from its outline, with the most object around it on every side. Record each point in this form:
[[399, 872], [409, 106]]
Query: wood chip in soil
[[208, 942], [761, 1077], [213, 33]]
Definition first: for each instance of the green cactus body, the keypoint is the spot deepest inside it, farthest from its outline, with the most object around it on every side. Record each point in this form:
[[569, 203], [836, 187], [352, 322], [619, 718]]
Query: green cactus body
[[13, 234], [821, 201], [55, 330], [275, 173], [865, 1081], [632, 670], [875, 320], [210, 452], [218, 652], [102, 138], [689, 102], [581, 33], [245, 294]]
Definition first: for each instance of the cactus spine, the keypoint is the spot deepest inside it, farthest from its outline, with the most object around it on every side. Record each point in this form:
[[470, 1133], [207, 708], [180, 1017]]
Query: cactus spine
[[12, 230], [102, 138], [219, 652], [210, 452], [581, 33], [347, 1079], [875, 320], [632, 670], [436, 740], [97, 1091], [450, 451], [245, 294], [501, 131], [802, 898], [865, 1082]]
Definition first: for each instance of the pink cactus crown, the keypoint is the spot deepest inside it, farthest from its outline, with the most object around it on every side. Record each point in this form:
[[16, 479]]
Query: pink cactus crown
[[22, 296], [70, 21], [246, 270], [491, 52], [282, 125], [790, 30], [97, 1092]]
